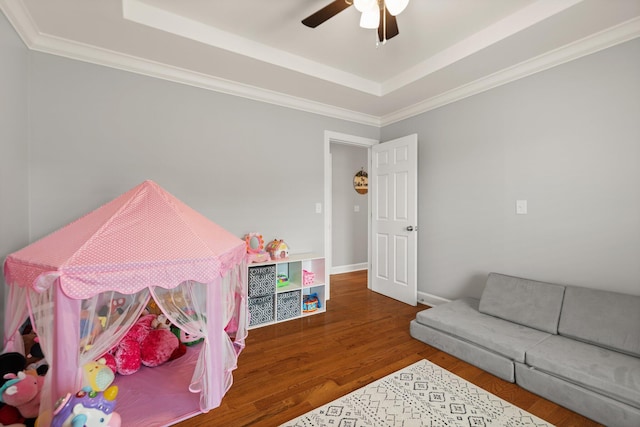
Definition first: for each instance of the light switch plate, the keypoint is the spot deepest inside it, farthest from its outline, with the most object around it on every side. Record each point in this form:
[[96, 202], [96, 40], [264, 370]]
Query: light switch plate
[[521, 207]]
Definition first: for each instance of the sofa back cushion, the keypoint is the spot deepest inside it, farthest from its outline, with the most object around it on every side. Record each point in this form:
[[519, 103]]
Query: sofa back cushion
[[523, 301], [607, 319]]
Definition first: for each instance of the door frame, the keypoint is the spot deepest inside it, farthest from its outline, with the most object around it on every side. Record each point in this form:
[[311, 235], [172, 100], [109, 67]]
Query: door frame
[[341, 138]]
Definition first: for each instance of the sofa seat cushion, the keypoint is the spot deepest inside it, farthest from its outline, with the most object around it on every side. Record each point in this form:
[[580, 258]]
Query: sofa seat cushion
[[527, 302], [598, 369], [462, 319], [605, 318]]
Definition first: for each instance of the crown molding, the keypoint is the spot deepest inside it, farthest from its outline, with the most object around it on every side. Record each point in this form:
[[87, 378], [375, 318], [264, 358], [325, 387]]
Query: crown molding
[[500, 30], [18, 15], [155, 17], [604, 39]]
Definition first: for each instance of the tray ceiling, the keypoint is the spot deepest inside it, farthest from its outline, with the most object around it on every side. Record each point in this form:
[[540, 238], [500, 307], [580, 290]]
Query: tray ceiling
[[446, 49]]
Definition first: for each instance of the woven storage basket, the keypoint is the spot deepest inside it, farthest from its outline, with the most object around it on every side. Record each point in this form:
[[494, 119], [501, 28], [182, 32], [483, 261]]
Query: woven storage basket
[[262, 280], [289, 305], [261, 310]]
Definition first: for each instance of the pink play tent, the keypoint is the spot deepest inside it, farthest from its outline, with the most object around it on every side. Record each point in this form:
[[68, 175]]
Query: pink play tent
[[144, 244]]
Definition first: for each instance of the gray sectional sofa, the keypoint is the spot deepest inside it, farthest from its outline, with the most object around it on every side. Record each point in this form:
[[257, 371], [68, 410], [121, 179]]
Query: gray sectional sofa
[[575, 346]]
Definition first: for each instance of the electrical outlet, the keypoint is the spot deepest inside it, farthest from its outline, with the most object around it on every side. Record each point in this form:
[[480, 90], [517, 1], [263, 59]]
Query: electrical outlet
[[521, 207]]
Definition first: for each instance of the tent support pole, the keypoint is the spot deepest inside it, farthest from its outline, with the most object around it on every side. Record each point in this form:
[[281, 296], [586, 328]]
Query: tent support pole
[[66, 377]]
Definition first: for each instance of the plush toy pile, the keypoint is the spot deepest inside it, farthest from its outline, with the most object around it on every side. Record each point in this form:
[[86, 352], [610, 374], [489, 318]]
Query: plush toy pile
[[149, 342]]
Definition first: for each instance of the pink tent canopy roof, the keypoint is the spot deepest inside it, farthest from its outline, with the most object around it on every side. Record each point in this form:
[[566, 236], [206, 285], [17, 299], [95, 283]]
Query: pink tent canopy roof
[[145, 237]]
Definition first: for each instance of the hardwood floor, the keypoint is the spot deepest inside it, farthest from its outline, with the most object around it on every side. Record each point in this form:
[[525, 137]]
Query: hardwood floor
[[290, 368]]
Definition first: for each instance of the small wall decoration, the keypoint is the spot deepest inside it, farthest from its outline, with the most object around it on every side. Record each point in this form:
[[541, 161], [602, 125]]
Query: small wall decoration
[[361, 182]]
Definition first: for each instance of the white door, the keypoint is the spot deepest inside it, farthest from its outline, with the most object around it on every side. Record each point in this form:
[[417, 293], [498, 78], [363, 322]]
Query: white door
[[393, 183]]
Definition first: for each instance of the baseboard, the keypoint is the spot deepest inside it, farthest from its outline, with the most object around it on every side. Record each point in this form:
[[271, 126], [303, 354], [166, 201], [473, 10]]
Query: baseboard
[[431, 300], [349, 268], [423, 297]]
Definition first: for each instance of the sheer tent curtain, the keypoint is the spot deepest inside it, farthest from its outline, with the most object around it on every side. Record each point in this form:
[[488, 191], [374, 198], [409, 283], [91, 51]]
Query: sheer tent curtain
[[184, 306], [15, 315], [216, 312], [233, 287], [43, 324], [103, 320], [235, 321]]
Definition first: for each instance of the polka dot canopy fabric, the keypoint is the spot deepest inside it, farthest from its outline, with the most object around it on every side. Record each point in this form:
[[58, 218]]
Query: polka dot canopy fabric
[[146, 237]]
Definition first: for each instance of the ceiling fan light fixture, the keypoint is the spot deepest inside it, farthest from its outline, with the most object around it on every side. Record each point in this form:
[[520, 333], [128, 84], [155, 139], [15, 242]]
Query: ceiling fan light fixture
[[371, 17], [364, 5], [396, 7], [377, 15]]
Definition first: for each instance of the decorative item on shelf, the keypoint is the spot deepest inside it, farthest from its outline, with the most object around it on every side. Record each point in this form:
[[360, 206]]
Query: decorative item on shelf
[[308, 278], [310, 303], [278, 249], [282, 279], [361, 182], [255, 248]]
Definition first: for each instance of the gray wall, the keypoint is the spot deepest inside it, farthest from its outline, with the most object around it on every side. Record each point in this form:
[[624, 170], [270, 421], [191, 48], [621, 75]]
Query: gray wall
[[14, 232], [349, 228], [75, 135], [249, 166], [568, 141]]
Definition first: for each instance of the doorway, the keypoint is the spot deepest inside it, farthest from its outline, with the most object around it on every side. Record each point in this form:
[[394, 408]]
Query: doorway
[[336, 139], [349, 203]]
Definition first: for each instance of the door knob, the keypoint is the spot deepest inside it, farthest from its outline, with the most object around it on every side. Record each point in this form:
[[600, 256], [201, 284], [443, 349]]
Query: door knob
[[410, 228]]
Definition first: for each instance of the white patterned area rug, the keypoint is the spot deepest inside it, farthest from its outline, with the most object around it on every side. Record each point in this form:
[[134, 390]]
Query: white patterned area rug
[[422, 394]]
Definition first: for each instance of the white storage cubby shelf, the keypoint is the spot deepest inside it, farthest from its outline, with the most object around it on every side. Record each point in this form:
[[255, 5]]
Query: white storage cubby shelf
[[286, 289]]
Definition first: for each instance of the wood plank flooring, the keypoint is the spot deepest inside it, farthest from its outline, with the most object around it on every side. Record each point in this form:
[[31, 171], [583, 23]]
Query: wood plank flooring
[[289, 368]]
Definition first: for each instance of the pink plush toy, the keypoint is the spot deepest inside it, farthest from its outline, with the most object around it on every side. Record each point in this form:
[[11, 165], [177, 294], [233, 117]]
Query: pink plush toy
[[22, 391], [144, 345]]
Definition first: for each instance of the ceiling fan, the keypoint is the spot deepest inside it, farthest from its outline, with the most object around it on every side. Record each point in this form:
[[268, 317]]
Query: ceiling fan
[[376, 14]]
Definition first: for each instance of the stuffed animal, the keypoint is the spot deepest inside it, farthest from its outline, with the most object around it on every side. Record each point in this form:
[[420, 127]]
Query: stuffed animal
[[186, 338], [10, 363], [97, 375], [14, 362], [23, 392], [144, 345]]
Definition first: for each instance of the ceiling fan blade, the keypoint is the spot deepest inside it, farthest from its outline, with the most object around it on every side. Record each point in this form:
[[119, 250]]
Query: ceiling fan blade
[[391, 26], [327, 12]]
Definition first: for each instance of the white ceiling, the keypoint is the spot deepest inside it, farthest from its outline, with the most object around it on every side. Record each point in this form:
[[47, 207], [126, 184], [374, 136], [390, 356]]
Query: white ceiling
[[446, 49]]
